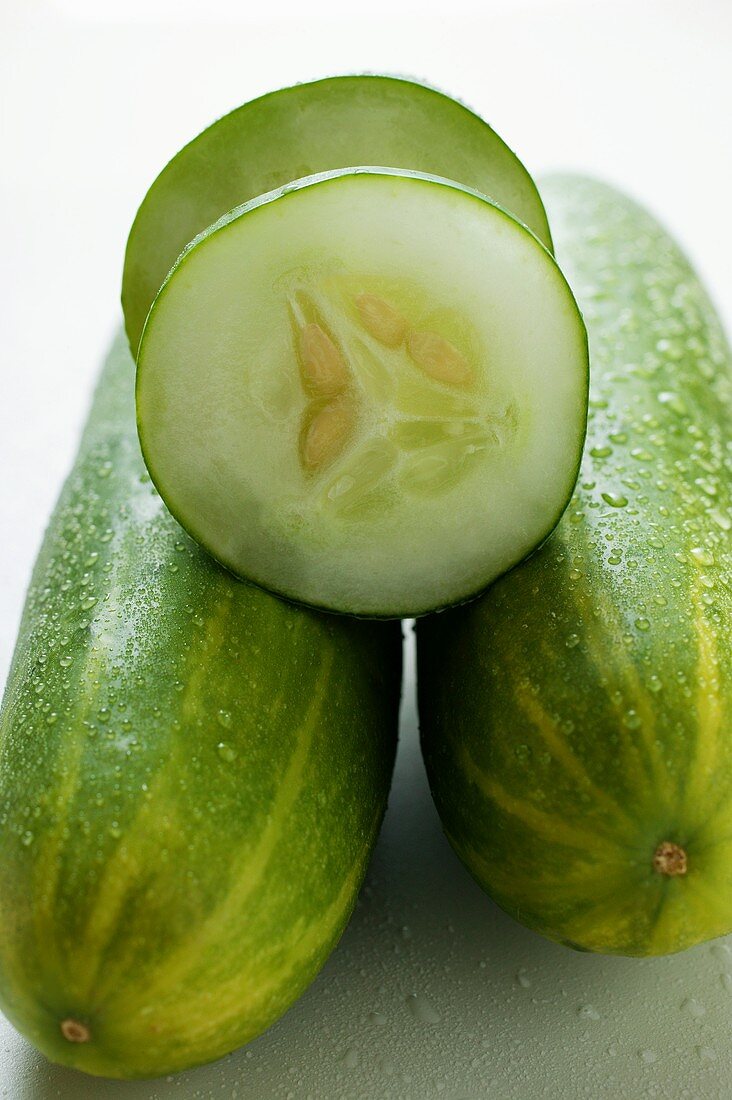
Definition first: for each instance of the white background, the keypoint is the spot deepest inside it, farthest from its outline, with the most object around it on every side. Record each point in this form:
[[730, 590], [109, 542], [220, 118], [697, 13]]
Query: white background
[[95, 96]]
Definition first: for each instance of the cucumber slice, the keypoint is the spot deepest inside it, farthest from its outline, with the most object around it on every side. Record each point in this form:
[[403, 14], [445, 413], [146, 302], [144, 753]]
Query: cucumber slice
[[334, 123], [365, 391]]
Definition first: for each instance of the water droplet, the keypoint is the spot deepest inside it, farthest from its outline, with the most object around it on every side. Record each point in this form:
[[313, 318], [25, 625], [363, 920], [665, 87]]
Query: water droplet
[[631, 720], [588, 1012], [65, 661], [615, 500], [706, 486], [642, 624], [87, 603], [350, 1058], [523, 979], [572, 641], [224, 719], [377, 1018], [694, 1008], [226, 752], [422, 1009], [673, 402], [702, 555], [601, 452], [722, 521], [27, 839]]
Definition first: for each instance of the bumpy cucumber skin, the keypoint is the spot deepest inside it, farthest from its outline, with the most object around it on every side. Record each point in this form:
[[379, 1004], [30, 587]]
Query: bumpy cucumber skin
[[578, 715], [338, 122], [192, 776]]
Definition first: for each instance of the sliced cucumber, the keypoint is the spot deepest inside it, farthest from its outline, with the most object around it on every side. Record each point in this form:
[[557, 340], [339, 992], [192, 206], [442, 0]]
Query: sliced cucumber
[[365, 391], [334, 123]]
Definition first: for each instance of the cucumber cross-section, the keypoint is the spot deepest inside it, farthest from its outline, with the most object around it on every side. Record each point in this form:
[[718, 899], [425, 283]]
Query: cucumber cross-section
[[365, 391]]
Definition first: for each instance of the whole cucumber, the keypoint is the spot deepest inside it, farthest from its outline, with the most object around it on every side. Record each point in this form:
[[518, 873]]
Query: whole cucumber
[[192, 777], [576, 720]]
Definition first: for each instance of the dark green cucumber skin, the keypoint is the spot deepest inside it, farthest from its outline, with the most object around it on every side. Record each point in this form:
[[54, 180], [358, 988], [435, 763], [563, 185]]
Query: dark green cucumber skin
[[337, 122], [578, 715], [192, 776]]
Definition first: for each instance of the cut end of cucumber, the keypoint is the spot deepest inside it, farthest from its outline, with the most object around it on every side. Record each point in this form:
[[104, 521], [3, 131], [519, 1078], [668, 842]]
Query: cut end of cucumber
[[365, 392]]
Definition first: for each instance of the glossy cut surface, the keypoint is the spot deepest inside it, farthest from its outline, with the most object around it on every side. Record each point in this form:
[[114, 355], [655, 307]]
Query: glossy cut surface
[[366, 391]]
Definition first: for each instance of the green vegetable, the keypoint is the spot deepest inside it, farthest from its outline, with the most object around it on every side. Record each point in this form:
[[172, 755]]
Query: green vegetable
[[366, 392], [339, 122], [192, 775], [576, 720]]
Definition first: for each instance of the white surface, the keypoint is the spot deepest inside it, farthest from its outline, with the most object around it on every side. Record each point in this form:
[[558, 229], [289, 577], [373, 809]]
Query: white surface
[[94, 98]]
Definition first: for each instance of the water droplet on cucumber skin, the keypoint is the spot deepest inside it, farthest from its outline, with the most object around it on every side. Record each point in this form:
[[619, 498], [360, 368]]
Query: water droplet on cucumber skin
[[702, 555], [615, 500], [722, 521], [422, 1009], [694, 1007]]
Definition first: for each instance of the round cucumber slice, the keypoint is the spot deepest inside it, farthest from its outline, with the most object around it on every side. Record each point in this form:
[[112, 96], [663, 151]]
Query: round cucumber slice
[[334, 123], [365, 391]]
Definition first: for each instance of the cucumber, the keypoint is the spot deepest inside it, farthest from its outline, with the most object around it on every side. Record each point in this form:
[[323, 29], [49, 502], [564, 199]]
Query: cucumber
[[192, 776], [365, 391], [339, 122], [576, 720]]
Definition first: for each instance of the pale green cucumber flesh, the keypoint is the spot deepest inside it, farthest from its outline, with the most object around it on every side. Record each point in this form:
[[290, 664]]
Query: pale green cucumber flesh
[[365, 392], [192, 774], [338, 122], [576, 720]]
